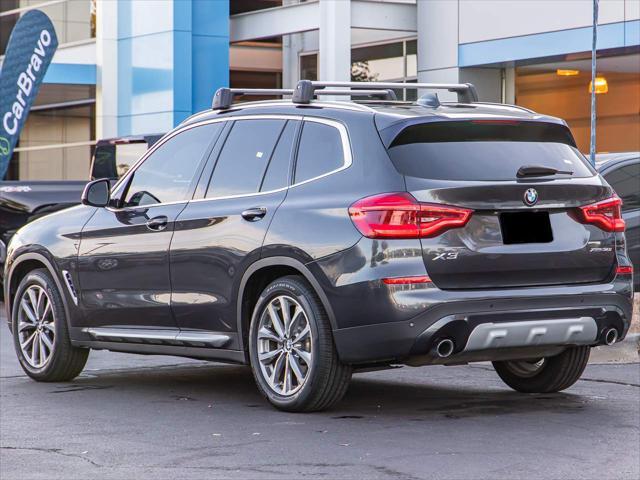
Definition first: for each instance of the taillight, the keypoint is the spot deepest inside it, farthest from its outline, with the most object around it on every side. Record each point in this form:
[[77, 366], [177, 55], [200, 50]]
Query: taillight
[[399, 215], [606, 215], [624, 270]]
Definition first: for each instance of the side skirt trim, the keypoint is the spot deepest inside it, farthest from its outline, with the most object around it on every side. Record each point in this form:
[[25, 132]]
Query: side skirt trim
[[220, 355], [171, 337]]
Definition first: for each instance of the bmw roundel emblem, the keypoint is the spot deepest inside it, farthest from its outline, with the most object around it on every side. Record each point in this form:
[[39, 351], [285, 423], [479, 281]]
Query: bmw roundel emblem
[[531, 197]]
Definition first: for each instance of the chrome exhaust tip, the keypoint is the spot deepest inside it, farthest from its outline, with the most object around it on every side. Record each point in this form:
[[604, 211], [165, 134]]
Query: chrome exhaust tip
[[444, 348], [610, 336]]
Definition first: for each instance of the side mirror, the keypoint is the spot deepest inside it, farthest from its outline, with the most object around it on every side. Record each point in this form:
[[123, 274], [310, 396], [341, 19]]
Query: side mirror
[[96, 193]]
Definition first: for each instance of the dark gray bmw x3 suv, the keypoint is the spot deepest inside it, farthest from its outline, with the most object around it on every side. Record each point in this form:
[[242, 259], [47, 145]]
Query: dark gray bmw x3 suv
[[312, 239]]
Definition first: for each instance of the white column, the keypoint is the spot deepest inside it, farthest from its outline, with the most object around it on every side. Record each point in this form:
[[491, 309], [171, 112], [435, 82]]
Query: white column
[[291, 47], [488, 82], [107, 69], [335, 40], [510, 85], [438, 43]]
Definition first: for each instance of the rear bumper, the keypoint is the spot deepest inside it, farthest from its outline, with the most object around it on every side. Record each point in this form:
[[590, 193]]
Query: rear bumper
[[490, 329], [380, 323]]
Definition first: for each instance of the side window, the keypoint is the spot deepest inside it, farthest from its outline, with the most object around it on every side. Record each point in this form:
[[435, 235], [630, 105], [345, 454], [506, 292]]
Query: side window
[[626, 183], [277, 174], [127, 154], [244, 157], [167, 174], [320, 151]]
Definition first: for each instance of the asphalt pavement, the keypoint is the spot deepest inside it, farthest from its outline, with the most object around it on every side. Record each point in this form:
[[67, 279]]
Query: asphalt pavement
[[132, 416]]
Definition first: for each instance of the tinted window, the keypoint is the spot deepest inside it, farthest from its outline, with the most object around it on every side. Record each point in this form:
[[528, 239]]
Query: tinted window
[[320, 151], [626, 183], [127, 154], [244, 157], [277, 174], [166, 175], [104, 162], [479, 151]]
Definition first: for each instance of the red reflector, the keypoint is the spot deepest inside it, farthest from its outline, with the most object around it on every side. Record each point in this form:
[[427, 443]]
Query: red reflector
[[606, 215], [399, 215], [624, 270], [406, 280]]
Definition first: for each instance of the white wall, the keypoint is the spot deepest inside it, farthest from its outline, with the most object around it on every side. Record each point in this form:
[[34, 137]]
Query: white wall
[[482, 20]]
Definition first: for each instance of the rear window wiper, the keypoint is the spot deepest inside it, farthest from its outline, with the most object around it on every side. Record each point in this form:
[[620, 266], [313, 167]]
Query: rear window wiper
[[540, 171]]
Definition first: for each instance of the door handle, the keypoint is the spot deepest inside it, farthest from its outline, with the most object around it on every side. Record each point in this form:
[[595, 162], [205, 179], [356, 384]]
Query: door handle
[[254, 214], [158, 224]]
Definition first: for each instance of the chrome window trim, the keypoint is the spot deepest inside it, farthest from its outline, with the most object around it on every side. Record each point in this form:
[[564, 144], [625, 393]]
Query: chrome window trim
[[342, 130], [347, 160], [341, 105]]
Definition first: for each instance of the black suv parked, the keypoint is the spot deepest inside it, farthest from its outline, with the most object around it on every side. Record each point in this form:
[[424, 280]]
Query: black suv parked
[[311, 239]]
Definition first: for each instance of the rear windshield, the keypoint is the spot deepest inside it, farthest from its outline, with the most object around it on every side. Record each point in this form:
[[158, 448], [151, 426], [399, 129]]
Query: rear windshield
[[484, 150]]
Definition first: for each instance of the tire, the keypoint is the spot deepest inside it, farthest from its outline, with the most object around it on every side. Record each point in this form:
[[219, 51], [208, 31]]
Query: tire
[[547, 375], [325, 379], [64, 362]]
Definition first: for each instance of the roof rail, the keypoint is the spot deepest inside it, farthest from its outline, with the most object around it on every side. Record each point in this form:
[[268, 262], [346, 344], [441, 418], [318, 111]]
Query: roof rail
[[306, 89], [223, 97]]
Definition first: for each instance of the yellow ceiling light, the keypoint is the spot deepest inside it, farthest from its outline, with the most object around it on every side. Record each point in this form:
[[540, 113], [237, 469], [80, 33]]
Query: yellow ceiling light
[[563, 72], [601, 85]]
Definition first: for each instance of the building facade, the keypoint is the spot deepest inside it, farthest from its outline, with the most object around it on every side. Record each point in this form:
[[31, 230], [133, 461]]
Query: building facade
[[142, 66]]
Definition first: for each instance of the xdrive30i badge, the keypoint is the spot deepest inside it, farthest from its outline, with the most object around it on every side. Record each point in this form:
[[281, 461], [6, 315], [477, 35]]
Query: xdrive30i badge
[[531, 197]]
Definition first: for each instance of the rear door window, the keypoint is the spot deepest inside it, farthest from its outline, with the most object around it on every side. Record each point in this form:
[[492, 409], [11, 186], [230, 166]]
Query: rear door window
[[625, 181], [277, 174], [244, 158], [484, 150], [320, 151]]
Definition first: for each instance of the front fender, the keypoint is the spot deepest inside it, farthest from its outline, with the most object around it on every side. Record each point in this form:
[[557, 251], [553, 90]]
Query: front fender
[[31, 254]]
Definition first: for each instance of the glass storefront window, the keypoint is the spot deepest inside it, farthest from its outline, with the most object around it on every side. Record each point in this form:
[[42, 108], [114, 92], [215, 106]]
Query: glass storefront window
[[378, 63], [390, 62], [561, 89], [309, 67], [74, 20]]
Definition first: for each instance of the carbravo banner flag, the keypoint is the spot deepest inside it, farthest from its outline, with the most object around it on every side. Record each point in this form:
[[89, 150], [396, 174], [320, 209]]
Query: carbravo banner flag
[[29, 52]]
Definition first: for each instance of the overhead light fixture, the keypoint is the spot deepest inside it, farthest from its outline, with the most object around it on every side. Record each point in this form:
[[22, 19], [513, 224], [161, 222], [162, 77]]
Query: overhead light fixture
[[601, 85], [566, 73]]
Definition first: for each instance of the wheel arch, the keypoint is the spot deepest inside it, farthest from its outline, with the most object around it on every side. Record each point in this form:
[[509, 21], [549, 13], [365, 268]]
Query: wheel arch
[[21, 267], [268, 269]]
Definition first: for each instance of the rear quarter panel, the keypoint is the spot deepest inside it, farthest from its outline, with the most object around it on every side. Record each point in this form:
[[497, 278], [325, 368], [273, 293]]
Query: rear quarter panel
[[313, 221]]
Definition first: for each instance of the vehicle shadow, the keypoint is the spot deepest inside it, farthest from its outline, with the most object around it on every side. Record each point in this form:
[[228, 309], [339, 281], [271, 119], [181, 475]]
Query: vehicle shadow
[[380, 394]]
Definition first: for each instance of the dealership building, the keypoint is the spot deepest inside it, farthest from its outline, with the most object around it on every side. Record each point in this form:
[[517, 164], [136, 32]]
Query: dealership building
[[143, 66]]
